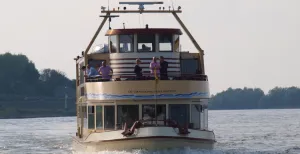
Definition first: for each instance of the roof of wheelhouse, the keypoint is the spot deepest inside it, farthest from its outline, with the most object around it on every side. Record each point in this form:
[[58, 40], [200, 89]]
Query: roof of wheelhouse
[[143, 31]]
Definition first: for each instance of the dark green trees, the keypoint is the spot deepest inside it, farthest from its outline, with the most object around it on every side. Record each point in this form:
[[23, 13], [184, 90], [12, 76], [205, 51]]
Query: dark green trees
[[248, 98], [18, 76]]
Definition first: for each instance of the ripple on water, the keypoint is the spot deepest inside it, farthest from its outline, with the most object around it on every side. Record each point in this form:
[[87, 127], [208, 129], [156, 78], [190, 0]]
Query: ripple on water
[[246, 131]]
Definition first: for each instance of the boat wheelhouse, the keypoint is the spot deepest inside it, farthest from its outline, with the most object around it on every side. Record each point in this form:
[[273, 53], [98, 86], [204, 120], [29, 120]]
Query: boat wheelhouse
[[126, 112]]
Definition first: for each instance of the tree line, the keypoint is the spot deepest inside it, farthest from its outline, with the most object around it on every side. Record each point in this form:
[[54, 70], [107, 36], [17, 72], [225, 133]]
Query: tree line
[[19, 77], [255, 98]]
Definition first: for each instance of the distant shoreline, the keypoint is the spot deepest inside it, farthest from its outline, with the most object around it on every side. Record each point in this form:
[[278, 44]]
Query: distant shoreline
[[56, 116], [32, 116], [257, 109]]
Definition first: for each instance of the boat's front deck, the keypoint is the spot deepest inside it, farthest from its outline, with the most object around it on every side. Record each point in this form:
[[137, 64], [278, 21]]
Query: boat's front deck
[[146, 138]]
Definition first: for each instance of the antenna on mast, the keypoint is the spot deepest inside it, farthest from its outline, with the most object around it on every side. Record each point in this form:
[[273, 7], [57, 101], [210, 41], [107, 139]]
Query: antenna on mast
[[108, 5], [141, 4], [109, 19]]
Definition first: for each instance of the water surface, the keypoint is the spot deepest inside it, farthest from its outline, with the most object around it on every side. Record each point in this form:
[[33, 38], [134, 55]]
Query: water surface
[[237, 131]]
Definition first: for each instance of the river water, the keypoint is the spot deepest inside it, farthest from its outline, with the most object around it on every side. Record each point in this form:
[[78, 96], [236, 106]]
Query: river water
[[237, 131]]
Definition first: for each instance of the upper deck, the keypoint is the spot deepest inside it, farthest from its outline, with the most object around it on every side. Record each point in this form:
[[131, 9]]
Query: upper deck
[[127, 45]]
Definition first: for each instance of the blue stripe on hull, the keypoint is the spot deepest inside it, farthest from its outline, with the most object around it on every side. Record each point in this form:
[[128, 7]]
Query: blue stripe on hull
[[110, 96]]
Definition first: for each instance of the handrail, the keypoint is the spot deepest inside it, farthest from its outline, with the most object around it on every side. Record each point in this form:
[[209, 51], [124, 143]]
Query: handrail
[[146, 76], [182, 130]]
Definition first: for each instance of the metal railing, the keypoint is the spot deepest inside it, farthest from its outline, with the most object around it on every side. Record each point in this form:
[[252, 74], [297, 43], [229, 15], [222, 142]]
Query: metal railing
[[133, 77]]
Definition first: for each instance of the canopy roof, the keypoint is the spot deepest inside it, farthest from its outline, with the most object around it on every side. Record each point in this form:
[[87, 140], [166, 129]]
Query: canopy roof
[[143, 31]]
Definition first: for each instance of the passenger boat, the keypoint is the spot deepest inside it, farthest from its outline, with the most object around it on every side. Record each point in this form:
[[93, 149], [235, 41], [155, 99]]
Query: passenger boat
[[127, 112]]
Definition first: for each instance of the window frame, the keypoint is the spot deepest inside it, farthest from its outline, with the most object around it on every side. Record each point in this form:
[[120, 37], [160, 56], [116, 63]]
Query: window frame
[[101, 118], [132, 43], [153, 42], [153, 121], [91, 113], [175, 38], [171, 42], [110, 44], [104, 117], [119, 120], [188, 113], [193, 117]]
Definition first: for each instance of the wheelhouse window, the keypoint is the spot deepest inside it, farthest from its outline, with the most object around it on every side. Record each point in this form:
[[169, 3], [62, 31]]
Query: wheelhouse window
[[176, 43], [148, 114], [91, 117], [113, 44], [165, 43], [196, 113], [180, 113], [109, 117], [126, 43], [146, 43], [99, 122], [127, 114]]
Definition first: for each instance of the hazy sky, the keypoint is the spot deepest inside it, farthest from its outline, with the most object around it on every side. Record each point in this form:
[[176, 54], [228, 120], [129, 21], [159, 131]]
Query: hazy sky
[[249, 43]]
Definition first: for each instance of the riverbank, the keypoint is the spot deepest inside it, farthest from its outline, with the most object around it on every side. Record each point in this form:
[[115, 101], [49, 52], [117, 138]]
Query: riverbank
[[32, 108], [34, 116], [20, 114], [62, 113]]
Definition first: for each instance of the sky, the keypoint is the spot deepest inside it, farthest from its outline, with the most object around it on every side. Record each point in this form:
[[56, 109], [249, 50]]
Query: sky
[[247, 43]]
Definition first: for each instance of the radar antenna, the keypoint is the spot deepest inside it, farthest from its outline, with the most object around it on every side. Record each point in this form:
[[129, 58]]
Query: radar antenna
[[141, 4]]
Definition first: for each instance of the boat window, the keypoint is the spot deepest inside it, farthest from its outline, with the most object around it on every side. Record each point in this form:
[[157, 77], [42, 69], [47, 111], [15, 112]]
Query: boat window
[[189, 66], [109, 117], [126, 43], [82, 91], [91, 117], [176, 43], [149, 114], [113, 44], [146, 43], [180, 113], [99, 123], [205, 116], [84, 114], [127, 114], [165, 43], [81, 74], [196, 110]]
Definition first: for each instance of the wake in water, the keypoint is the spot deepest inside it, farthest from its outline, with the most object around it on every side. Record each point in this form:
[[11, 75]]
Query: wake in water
[[293, 150]]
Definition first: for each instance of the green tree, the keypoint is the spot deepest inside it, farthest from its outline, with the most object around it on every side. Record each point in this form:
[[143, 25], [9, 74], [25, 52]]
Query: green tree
[[18, 74], [20, 77], [246, 98], [51, 79]]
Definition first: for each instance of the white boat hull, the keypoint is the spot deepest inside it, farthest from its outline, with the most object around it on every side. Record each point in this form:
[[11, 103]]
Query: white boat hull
[[152, 138]]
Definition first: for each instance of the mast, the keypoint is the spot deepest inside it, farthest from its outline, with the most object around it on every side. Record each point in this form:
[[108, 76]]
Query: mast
[[94, 38], [141, 9], [197, 46]]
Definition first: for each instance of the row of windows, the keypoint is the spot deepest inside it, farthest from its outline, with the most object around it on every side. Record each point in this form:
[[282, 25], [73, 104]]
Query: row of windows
[[145, 43], [130, 113]]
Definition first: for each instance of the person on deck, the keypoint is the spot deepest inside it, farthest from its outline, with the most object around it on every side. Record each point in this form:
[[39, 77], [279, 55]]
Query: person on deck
[[104, 70], [90, 71], [154, 67], [138, 70], [163, 69]]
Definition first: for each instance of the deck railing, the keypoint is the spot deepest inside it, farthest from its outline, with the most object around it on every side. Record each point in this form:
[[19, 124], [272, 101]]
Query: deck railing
[[132, 77]]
